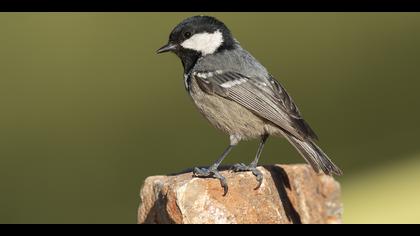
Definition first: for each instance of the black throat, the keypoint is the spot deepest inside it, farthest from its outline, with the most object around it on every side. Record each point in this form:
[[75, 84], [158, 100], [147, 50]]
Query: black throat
[[188, 59]]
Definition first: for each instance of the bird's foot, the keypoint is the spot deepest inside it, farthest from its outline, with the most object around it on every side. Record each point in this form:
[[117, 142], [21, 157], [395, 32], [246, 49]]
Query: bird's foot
[[241, 167], [211, 172]]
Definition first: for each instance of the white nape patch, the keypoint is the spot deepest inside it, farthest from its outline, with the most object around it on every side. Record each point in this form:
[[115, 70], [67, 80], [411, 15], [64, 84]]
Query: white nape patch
[[206, 43], [232, 83]]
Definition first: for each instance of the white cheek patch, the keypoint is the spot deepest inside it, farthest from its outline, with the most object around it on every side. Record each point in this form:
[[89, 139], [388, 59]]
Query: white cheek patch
[[206, 43]]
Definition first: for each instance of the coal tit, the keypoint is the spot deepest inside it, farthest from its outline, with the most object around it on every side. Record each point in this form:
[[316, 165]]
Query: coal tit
[[237, 95]]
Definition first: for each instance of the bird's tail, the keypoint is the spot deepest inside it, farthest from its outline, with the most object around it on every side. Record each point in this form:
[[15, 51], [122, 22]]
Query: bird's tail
[[314, 155]]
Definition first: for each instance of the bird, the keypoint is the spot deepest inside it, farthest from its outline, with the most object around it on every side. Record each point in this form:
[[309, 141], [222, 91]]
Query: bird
[[238, 96]]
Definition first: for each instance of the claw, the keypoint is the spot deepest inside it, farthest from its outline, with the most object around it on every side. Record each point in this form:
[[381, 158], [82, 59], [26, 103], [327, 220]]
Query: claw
[[259, 177], [223, 183], [257, 173], [212, 173]]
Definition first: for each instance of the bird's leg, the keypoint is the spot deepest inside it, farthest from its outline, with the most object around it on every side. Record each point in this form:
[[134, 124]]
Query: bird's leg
[[212, 171], [253, 166]]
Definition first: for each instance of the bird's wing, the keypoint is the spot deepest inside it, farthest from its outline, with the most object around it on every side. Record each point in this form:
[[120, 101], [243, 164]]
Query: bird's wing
[[265, 97]]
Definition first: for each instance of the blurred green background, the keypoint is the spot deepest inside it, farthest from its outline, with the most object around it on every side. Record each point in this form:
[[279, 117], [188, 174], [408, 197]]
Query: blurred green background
[[88, 110]]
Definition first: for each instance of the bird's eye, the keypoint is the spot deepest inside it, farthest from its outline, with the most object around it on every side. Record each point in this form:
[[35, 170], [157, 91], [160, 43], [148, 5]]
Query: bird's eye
[[187, 34]]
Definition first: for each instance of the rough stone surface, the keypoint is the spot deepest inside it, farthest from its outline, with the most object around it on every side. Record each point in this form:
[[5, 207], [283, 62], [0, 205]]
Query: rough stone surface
[[289, 194]]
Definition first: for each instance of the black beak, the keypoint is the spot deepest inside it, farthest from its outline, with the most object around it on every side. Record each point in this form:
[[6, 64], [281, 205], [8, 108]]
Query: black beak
[[166, 48]]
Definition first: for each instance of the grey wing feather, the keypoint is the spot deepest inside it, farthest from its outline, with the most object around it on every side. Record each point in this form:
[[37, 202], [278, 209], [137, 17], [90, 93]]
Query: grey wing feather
[[288, 104], [265, 97]]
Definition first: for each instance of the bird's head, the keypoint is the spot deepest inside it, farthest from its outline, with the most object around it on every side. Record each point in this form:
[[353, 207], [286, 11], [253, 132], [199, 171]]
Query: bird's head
[[198, 36]]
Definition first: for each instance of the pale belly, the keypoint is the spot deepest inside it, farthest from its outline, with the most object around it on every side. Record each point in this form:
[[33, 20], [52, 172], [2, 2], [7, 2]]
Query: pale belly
[[230, 117]]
